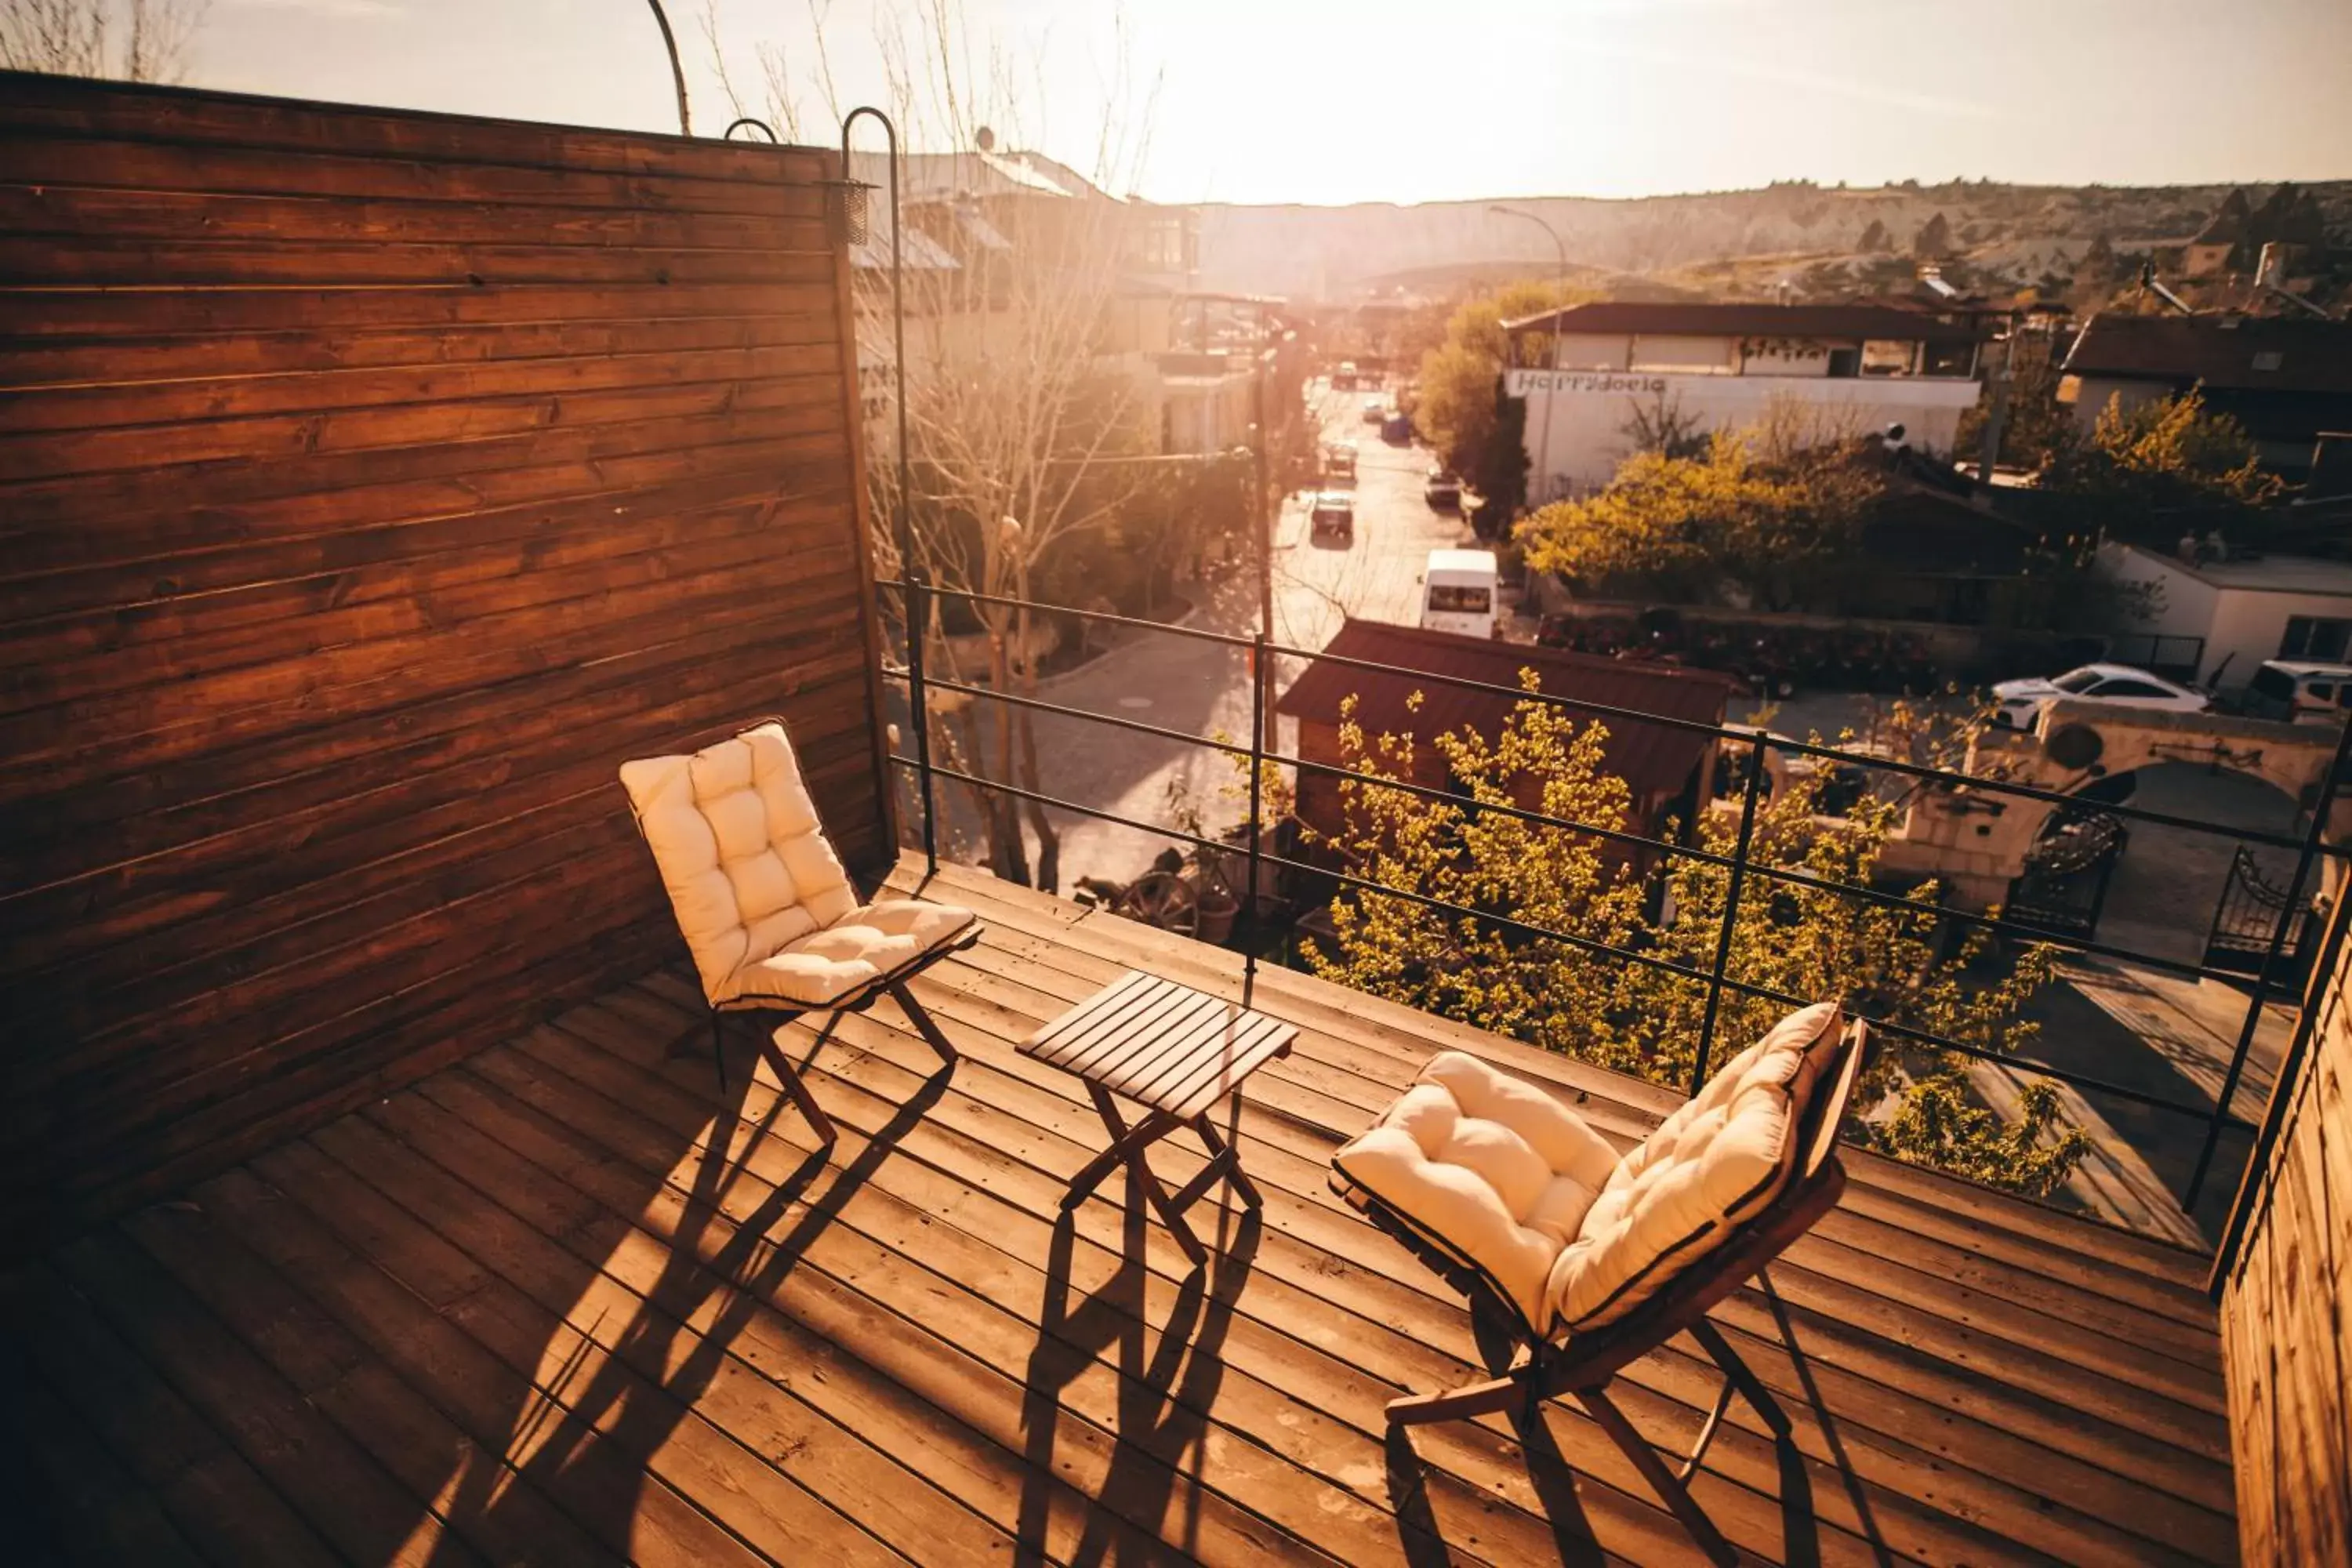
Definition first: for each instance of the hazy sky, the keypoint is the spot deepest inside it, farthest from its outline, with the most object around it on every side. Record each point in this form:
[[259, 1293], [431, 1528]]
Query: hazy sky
[[1318, 100]]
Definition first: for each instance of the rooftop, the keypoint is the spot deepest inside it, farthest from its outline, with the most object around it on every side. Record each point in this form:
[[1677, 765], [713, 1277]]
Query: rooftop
[[542, 1304], [2268, 354], [1653, 759], [1757, 321], [2266, 574]]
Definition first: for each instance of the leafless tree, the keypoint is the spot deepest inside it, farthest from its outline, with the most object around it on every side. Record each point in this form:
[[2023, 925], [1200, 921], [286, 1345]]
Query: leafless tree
[[1027, 401], [128, 40]]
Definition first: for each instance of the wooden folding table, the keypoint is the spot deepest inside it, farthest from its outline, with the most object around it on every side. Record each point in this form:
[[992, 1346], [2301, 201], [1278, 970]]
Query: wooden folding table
[[1176, 1052]]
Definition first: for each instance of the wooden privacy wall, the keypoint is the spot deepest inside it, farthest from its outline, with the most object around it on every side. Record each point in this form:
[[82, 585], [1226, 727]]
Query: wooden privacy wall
[[372, 485], [2286, 1307]]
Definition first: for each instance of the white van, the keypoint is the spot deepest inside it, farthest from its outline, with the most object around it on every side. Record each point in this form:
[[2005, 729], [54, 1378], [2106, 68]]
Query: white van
[[2299, 692], [1458, 592]]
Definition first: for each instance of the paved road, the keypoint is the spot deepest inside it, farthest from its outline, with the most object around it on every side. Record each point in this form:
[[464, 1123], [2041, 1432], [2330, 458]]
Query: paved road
[[1203, 688]]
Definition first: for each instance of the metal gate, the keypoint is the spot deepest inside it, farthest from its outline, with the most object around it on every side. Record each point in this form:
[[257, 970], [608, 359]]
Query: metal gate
[[2247, 917], [2065, 884]]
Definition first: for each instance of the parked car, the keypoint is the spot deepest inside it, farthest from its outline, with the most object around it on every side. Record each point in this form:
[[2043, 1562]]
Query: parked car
[[2022, 701], [1334, 513], [1344, 378], [1375, 410], [1442, 492], [1396, 428], [1339, 462], [2299, 691]]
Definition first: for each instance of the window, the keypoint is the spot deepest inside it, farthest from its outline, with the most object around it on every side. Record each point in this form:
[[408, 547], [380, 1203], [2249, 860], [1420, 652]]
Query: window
[[2075, 682], [2316, 637], [1950, 359], [2276, 684], [1450, 599], [1845, 362], [2129, 689]]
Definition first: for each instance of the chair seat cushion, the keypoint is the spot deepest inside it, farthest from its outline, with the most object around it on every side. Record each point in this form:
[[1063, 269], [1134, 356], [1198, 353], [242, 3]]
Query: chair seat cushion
[[1489, 1164], [868, 943], [1715, 1162]]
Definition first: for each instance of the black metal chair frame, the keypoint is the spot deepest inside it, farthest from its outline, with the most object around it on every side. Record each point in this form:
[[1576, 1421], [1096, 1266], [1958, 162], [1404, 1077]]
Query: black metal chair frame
[[1585, 1363], [894, 985]]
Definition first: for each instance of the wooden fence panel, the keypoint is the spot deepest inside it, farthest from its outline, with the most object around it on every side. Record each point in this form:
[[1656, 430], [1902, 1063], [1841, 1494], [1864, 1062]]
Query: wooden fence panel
[[2288, 1302], [372, 485]]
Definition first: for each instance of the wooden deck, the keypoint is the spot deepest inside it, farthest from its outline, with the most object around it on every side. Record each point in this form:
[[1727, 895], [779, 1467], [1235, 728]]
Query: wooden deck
[[543, 1308]]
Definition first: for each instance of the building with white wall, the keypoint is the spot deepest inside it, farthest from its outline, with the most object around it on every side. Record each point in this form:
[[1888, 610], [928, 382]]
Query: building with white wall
[[1588, 372], [2269, 607]]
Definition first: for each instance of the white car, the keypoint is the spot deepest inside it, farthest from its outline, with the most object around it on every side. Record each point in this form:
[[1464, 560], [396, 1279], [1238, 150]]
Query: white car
[[2022, 701]]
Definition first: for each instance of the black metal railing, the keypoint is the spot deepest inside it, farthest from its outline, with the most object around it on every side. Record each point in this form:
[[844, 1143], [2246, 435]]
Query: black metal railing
[[917, 598]]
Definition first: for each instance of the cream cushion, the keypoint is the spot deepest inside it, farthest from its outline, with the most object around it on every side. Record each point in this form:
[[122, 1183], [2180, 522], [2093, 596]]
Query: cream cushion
[[1715, 1162], [765, 904], [1516, 1183], [1498, 1169]]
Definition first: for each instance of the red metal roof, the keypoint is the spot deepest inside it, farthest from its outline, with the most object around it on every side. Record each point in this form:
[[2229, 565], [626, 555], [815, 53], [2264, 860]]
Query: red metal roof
[[1653, 759]]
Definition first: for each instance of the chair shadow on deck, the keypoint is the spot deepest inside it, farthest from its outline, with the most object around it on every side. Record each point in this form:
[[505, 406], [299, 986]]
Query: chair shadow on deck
[[1160, 1417], [1554, 1477], [643, 1389]]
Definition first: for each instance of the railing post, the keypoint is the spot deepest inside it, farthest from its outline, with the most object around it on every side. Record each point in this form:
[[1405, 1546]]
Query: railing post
[[1730, 910], [2289, 917], [1257, 813], [919, 625]]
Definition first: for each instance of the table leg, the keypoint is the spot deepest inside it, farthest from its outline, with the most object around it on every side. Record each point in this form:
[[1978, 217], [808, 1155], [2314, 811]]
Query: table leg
[[1220, 1153], [1126, 1147]]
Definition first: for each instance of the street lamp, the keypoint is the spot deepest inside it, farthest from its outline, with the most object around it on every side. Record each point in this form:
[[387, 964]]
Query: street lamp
[[1543, 440]]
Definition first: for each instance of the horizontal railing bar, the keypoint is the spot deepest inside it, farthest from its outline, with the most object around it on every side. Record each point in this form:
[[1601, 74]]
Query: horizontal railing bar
[[1745, 735], [1041, 705], [1940, 1042], [1763, 993], [1733, 733], [1108, 618], [1777, 874]]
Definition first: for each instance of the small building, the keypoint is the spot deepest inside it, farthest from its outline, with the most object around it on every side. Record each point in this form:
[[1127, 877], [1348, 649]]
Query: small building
[[2286, 378], [1664, 767], [2245, 611], [1589, 373]]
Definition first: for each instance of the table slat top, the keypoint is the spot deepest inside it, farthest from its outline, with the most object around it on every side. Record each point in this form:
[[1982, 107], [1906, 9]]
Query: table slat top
[[1160, 1044]]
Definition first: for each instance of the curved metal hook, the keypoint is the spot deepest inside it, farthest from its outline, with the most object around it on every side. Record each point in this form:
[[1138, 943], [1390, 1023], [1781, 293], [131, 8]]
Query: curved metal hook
[[903, 527], [677, 71], [760, 125]]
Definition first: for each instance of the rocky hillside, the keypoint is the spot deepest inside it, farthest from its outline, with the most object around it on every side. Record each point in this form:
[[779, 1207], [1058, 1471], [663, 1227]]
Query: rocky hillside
[[1811, 238]]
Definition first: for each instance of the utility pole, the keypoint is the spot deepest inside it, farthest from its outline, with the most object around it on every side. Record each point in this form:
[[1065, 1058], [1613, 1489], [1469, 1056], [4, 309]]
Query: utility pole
[[1262, 514], [1543, 439]]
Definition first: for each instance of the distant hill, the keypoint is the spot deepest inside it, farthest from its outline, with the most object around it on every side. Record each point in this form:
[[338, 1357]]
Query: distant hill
[[1814, 238]]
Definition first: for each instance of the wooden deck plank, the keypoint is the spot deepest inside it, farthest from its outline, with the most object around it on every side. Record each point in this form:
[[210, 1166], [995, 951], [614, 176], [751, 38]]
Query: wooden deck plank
[[340, 1490], [2180, 1390], [2190, 1523], [562, 1299], [1875, 1227], [1121, 941], [2080, 1541]]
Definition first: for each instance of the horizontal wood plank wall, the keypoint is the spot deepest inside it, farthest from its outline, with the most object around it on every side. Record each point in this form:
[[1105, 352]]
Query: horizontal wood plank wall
[[372, 485], [2286, 1307]]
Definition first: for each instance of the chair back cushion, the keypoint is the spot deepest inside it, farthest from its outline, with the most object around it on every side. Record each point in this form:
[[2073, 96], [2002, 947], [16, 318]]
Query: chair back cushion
[[745, 863], [1488, 1163], [1717, 1162]]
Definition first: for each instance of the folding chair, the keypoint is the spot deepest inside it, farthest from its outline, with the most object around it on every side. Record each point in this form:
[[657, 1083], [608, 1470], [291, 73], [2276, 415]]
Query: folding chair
[[765, 906], [1590, 1262]]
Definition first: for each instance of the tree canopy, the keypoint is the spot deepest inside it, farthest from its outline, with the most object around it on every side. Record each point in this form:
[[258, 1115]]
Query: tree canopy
[[1798, 935], [1758, 513], [2172, 454], [1458, 408]]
